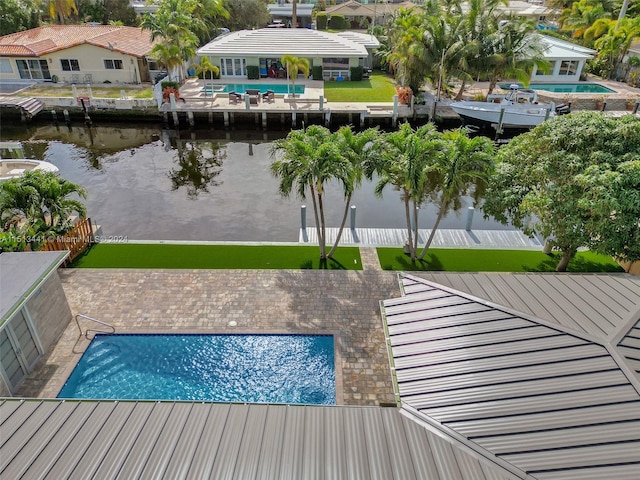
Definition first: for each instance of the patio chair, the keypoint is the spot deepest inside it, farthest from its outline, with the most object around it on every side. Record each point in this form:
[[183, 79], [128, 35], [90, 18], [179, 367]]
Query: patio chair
[[234, 97], [254, 96], [269, 96]]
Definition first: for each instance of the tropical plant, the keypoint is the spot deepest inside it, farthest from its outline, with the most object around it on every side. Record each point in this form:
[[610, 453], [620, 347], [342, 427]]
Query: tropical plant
[[306, 160], [40, 203], [614, 45], [247, 14], [573, 180], [60, 10], [362, 152], [293, 65], [407, 156], [463, 169], [205, 67], [404, 56], [18, 15], [582, 15]]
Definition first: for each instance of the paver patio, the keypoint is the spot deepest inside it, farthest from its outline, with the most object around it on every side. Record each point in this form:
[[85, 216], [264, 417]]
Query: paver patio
[[345, 304]]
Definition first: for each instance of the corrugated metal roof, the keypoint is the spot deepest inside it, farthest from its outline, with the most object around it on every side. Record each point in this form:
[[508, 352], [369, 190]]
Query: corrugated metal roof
[[597, 305], [299, 42], [21, 274], [552, 403], [149, 440], [629, 347]]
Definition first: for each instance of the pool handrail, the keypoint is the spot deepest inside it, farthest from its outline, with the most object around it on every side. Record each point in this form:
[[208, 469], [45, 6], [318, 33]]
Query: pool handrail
[[86, 332]]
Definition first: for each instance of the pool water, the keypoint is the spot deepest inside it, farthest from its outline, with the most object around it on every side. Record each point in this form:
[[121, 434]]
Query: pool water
[[263, 87], [291, 369], [565, 87]]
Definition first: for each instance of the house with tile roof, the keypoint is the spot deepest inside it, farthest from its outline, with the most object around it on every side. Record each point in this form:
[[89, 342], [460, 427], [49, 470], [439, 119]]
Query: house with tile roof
[[77, 54], [335, 53]]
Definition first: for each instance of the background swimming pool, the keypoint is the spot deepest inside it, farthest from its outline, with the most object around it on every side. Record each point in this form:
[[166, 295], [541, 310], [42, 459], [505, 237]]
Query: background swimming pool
[[263, 87], [565, 87], [220, 368]]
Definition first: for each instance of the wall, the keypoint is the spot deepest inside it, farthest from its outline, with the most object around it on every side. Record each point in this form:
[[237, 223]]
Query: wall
[[50, 312], [91, 62]]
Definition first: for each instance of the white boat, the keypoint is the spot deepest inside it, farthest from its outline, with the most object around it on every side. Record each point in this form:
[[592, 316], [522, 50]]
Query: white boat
[[518, 109], [12, 165]]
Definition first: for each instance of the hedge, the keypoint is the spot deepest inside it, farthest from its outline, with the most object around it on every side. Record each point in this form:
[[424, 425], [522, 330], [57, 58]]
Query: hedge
[[317, 72], [253, 72]]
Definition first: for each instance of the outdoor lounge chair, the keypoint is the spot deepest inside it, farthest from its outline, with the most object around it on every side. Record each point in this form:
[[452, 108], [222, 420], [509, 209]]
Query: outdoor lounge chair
[[234, 97], [269, 96]]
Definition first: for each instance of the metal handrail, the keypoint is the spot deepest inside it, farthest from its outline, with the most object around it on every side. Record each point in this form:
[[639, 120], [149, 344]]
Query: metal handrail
[[86, 332]]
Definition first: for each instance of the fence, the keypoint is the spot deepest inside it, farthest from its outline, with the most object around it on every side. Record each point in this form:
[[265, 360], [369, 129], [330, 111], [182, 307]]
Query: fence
[[76, 241]]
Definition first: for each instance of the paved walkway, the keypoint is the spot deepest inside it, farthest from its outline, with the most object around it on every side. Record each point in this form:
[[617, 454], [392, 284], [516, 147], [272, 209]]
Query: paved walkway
[[345, 304]]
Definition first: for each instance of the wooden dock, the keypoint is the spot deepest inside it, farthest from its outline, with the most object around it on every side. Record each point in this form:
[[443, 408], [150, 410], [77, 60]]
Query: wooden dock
[[444, 238]]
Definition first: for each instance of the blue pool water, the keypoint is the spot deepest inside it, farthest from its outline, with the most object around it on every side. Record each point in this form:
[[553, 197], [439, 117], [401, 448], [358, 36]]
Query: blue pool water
[[295, 369], [263, 87], [565, 87]]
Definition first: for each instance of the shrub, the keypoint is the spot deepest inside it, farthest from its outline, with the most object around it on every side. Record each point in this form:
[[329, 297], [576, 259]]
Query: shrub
[[404, 95], [316, 72], [356, 73], [169, 83], [338, 22], [321, 21], [253, 72], [167, 91]]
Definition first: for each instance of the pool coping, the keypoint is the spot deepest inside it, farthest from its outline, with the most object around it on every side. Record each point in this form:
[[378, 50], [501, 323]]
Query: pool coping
[[337, 352]]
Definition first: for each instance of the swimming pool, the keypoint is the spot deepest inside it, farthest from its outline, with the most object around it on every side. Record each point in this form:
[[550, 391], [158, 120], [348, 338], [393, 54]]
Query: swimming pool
[[263, 87], [293, 369], [565, 87]]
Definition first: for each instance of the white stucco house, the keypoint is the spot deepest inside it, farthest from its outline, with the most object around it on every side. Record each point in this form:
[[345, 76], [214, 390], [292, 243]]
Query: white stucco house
[[77, 54], [335, 53], [567, 60]]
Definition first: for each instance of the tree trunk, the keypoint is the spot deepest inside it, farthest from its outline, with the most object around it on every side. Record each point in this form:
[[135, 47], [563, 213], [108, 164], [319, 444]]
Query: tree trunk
[[415, 227], [317, 218], [567, 255], [407, 214], [433, 231], [492, 86], [294, 14], [344, 220], [461, 91], [323, 246]]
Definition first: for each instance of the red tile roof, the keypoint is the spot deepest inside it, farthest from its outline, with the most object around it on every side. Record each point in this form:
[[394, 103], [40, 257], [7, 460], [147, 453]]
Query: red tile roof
[[50, 38]]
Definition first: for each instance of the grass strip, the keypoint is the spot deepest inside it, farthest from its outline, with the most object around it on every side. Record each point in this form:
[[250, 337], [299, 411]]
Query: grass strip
[[475, 260], [138, 255], [379, 88]]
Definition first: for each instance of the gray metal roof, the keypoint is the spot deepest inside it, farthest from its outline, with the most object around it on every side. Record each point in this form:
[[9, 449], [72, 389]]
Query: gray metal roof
[[597, 305], [629, 347], [300, 42], [551, 403], [21, 274], [106, 439]]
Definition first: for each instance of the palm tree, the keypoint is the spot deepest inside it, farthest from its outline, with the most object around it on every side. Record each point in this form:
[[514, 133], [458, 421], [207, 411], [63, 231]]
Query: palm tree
[[581, 15], [293, 66], [405, 49], [61, 9], [169, 56], [614, 45], [42, 200], [516, 53], [466, 164], [361, 151], [309, 160], [407, 156]]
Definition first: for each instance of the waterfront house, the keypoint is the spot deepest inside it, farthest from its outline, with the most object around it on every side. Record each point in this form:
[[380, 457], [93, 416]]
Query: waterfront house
[[77, 54], [567, 60], [374, 13], [335, 53]]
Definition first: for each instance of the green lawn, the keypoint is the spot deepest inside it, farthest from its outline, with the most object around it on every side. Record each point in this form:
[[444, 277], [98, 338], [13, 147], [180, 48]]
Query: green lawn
[[137, 255], [472, 260], [379, 88]]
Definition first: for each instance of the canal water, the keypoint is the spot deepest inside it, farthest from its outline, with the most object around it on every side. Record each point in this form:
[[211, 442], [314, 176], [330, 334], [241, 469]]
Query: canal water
[[148, 183]]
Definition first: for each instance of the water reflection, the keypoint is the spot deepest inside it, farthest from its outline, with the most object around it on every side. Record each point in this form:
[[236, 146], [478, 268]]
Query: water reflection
[[147, 183], [199, 165]]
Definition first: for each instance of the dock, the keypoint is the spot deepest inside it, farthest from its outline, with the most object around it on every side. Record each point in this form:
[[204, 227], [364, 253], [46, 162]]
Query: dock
[[444, 238]]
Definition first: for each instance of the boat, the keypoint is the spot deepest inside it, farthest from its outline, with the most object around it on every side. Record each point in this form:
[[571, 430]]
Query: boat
[[14, 165], [518, 109]]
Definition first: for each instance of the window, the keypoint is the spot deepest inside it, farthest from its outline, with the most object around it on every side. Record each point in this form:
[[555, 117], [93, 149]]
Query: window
[[568, 67], [33, 69], [5, 66], [153, 65], [233, 67], [70, 65], [335, 63], [113, 64]]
